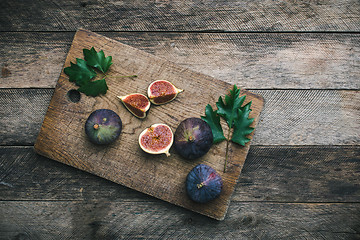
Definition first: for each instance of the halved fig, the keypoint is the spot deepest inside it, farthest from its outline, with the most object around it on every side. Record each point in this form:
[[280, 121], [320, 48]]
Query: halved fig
[[162, 91], [156, 139], [136, 103]]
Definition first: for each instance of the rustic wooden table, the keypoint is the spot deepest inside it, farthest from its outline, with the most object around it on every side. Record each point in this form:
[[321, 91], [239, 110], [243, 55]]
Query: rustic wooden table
[[301, 179]]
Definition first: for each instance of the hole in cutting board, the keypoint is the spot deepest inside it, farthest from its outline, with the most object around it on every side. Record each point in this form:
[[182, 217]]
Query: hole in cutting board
[[74, 95]]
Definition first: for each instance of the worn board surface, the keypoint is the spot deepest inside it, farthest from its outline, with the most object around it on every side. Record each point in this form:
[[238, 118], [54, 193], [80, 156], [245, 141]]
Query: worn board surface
[[252, 60], [192, 15], [62, 135]]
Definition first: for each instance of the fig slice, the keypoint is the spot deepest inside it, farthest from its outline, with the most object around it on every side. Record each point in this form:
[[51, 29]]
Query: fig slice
[[156, 139], [138, 104], [162, 91]]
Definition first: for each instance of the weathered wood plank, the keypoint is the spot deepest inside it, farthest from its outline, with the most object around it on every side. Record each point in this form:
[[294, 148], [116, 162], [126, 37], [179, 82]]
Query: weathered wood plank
[[251, 60], [271, 173], [159, 220], [22, 112], [300, 174], [316, 117], [180, 16], [290, 117]]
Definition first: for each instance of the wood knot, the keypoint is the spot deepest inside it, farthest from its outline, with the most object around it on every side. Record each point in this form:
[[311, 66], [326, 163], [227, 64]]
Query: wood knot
[[5, 72]]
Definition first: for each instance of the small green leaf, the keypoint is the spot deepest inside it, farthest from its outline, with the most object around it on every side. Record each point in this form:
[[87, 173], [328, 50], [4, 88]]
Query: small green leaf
[[80, 73], [97, 59], [94, 88], [228, 109], [214, 122], [241, 126]]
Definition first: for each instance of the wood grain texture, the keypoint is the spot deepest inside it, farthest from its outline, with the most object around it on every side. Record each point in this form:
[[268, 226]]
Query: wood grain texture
[[250, 60], [62, 136], [283, 49], [270, 173], [300, 174], [22, 112], [180, 15], [290, 117], [310, 117], [155, 220]]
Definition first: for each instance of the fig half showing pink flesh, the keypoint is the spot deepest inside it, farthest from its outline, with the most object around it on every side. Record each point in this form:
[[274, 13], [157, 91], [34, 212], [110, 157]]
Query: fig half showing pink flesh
[[138, 104], [156, 139], [162, 91]]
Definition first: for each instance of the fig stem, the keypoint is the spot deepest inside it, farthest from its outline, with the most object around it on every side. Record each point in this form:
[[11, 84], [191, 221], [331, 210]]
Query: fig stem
[[114, 76], [227, 150], [117, 76], [200, 185], [96, 126], [179, 90]]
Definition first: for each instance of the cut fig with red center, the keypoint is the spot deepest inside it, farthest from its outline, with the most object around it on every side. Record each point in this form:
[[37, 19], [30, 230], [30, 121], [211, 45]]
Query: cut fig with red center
[[138, 104], [162, 91], [156, 139]]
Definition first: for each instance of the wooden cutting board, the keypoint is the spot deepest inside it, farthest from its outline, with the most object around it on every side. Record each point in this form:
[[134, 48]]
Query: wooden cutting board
[[62, 136]]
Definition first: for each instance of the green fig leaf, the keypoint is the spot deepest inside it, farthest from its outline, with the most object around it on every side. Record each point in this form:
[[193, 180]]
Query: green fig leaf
[[242, 125], [80, 73], [236, 117], [213, 120], [94, 88], [97, 59], [229, 109]]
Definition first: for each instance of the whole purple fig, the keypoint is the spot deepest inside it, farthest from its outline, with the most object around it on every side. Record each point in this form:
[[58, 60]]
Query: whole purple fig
[[193, 138], [203, 184], [103, 126]]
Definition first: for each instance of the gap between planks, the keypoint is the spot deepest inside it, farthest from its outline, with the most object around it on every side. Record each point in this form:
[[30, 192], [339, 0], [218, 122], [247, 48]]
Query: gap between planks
[[195, 31], [157, 201]]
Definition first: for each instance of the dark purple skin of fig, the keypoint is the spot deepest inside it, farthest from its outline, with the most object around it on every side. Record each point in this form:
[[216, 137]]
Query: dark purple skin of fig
[[203, 184], [103, 126], [193, 138]]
